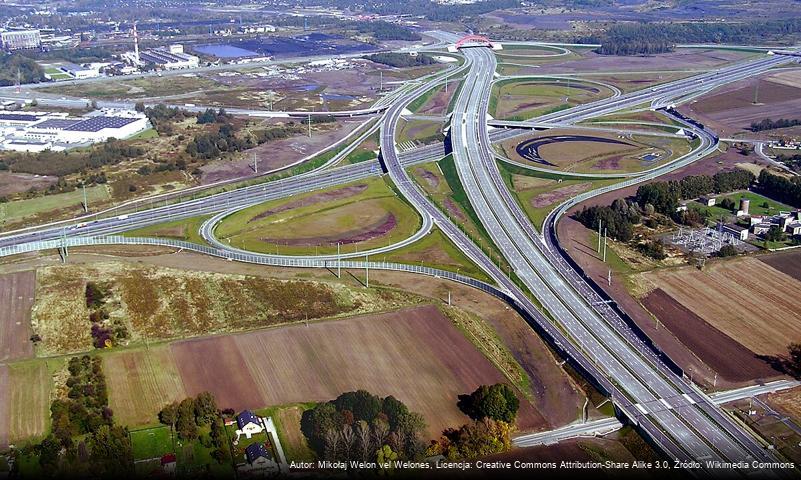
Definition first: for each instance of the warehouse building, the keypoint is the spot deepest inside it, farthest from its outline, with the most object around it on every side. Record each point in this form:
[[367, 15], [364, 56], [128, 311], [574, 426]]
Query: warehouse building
[[59, 132]]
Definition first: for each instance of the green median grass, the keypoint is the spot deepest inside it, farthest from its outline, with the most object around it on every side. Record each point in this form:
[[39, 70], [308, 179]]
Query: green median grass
[[314, 222], [187, 229]]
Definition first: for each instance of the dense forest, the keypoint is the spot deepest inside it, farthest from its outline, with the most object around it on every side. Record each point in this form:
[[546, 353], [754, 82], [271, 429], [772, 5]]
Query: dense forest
[[362, 426], [648, 38]]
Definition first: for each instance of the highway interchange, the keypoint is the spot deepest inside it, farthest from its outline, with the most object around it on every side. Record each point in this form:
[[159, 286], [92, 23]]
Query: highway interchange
[[683, 421]]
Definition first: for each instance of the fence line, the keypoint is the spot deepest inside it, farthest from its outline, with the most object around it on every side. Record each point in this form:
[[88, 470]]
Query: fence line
[[239, 256]]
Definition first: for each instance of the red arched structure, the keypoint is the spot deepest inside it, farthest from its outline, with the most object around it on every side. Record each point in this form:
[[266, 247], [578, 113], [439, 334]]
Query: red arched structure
[[480, 39]]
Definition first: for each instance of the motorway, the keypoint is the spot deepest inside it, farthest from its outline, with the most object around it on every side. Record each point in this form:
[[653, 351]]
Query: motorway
[[604, 426], [667, 404], [676, 416]]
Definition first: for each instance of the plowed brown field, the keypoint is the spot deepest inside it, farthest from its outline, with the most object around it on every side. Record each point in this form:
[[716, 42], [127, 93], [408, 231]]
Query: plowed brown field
[[413, 354], [745, 299], [16, 299]]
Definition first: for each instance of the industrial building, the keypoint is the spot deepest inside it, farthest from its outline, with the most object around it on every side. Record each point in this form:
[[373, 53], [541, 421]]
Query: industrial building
[[80, 71], [34, 132], [170, 58], [20, 39]]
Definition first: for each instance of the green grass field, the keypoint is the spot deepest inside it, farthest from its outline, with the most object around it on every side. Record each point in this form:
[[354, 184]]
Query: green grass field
[[315, 222], [450, 197], [194, 459], [522, 99], [151, 442], [420, 131], [359, 156], [57, 74], [20, 209], [185, 229], [760, 205], [287, 423], [146, 134]]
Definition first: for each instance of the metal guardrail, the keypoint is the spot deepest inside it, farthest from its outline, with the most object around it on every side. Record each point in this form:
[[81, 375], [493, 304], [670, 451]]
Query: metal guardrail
[[267, 260]]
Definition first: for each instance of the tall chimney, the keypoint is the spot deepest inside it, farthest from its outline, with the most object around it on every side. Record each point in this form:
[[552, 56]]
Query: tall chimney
[[136, 44]]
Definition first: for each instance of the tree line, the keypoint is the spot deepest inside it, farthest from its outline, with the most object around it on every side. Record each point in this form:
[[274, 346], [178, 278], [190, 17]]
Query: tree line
[[385, 31], [665, 196], [48, 162], [785, 190], [13, 64], [358, 425], [190, 417], [401, 60], [84, 439], [770, 124], [650, 38], [493, 409]]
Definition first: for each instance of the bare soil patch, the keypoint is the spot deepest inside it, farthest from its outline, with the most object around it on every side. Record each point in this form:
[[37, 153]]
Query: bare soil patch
[[276, 154], [11, 183], [217, 365], [454, 209], [414, 354], [789, 402], [430, 178], [16, 300], [438, 103], [733, 108], [681, 59], [557, 195], [553, 392], [729, 358]]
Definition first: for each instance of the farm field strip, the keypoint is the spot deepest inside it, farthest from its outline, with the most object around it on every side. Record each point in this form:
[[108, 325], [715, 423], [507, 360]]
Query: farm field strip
[[142, 379], [398, 354], [766, 318], [29, 400], [16, 299]]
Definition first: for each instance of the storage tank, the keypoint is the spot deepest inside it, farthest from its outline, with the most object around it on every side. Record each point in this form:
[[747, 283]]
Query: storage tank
[[744, 204]]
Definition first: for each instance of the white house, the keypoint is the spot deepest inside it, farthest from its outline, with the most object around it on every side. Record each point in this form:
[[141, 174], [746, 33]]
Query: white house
[[249, 424]]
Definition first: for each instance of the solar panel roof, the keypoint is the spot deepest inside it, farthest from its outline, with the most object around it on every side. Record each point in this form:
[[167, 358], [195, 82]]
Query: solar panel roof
[[95, 124]]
